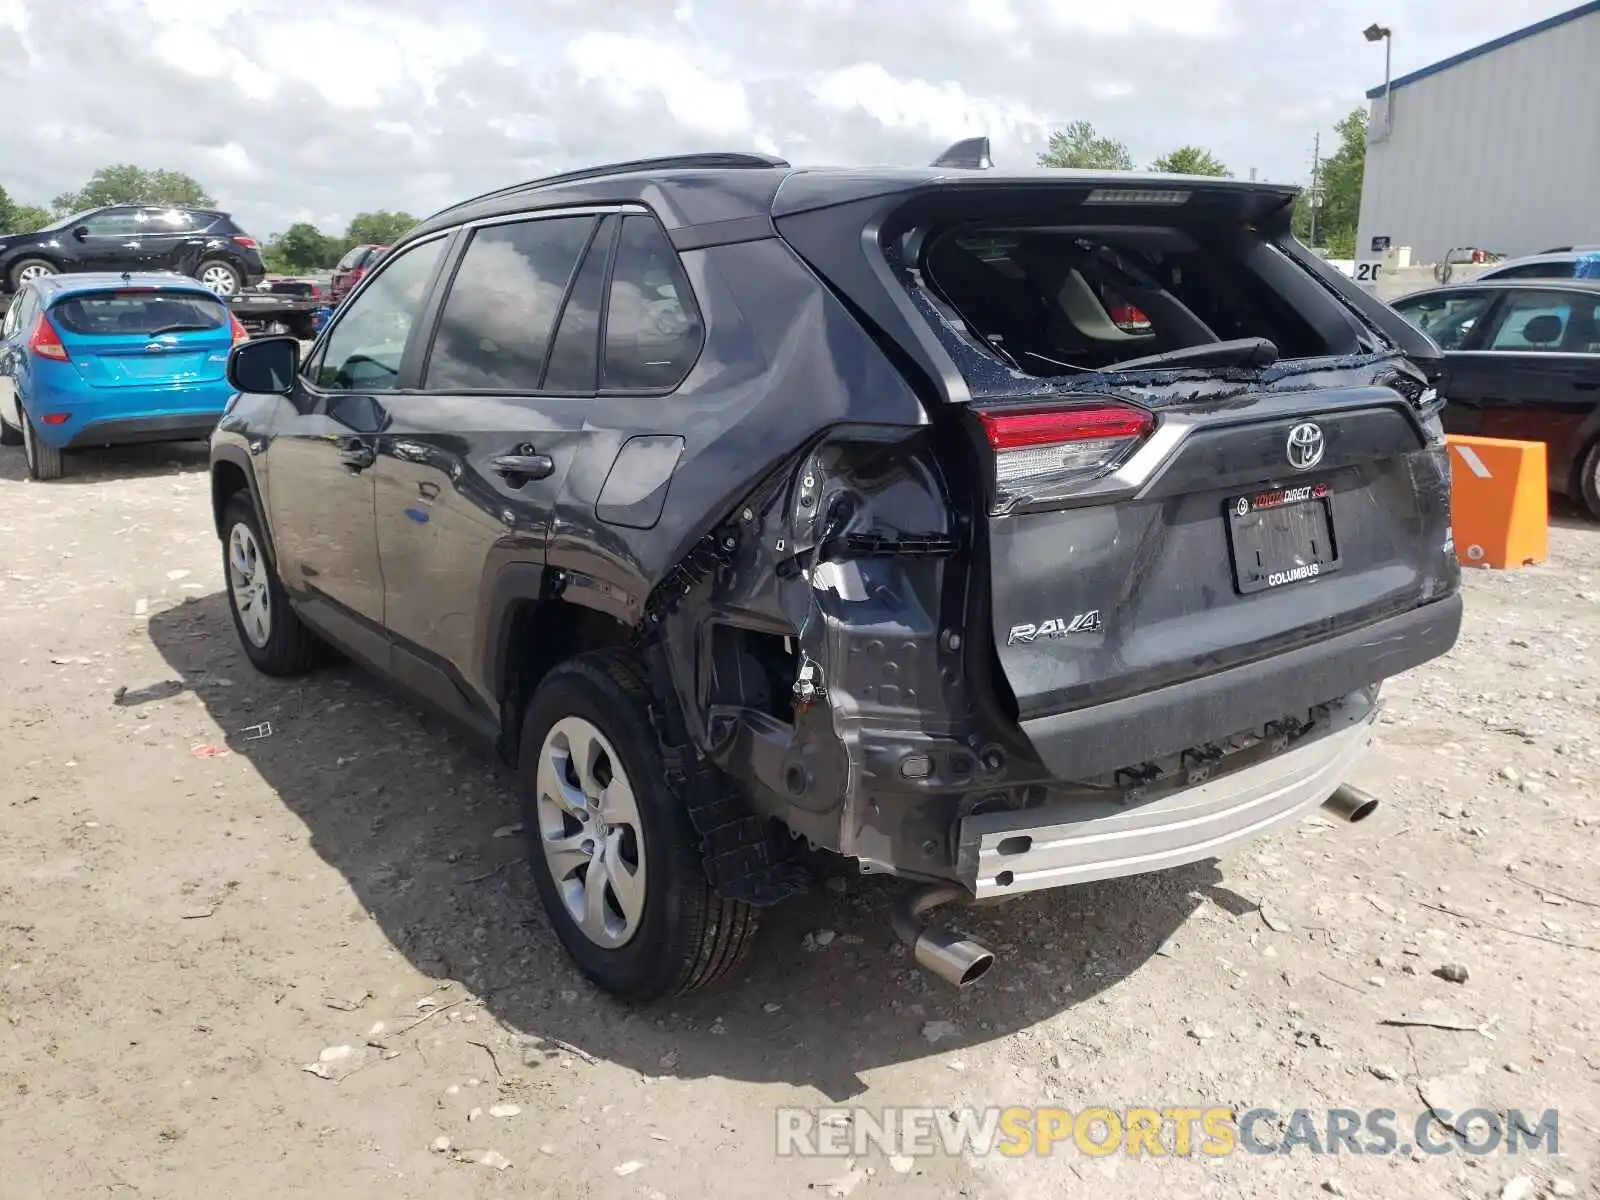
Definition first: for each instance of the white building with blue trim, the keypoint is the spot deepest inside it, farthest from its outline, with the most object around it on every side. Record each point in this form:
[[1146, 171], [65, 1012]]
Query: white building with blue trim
[[1496, 148]]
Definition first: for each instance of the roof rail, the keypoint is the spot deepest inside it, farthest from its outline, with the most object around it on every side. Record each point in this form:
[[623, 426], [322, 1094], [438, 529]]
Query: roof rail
[[713, 161]]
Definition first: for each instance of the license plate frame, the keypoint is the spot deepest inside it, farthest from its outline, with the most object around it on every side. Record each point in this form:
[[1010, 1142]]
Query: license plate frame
[[1280, 537]]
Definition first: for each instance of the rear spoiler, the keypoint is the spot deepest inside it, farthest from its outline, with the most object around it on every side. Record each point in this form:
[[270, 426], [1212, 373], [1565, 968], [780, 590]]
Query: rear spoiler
[[970, 154]]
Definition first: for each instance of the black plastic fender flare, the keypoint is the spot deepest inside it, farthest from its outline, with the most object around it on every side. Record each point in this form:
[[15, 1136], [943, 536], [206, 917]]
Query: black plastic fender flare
[[237, 456]]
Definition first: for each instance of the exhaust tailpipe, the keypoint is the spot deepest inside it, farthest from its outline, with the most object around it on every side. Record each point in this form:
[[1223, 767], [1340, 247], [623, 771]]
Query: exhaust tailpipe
[[958, 961], [1351, 803]]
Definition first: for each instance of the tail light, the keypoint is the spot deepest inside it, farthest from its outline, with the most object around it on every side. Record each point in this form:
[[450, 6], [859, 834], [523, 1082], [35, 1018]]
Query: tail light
[[1042, 453], [240, 333], [249, 243], [46, 342]]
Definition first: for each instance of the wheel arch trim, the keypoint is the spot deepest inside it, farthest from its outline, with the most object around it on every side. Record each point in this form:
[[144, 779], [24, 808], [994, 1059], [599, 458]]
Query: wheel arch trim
[[237, 458]]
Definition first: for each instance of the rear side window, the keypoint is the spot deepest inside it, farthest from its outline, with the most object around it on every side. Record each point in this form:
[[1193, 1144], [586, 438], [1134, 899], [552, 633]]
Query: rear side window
[[496, 323], [352, 258], [574, 356], [1539, 322], [652, 329], [138, 313], [164, 220]]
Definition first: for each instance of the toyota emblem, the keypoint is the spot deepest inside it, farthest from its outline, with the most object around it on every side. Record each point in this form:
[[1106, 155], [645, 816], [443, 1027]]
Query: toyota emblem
[[1306, 445]]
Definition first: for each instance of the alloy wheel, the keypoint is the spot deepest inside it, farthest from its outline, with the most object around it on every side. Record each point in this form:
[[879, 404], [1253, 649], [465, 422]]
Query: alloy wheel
[[219, 279], [589, 829], [34, 271], [247, 580]]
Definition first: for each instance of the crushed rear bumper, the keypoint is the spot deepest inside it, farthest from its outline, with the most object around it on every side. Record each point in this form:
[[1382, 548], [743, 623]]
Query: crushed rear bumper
[[1085, 742], [1075, 841]]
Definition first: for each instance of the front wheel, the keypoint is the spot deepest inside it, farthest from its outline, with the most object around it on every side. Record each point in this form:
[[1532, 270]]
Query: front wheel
[[25, 270], [220, 276], [44, 462], [271, 633], [614, 856]]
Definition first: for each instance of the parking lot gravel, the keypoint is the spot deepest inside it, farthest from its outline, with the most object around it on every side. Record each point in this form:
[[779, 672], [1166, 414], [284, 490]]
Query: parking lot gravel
[[265, 938]]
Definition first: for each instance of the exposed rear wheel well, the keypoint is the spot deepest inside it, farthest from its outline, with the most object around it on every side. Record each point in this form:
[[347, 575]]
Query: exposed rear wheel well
[[542, 635]]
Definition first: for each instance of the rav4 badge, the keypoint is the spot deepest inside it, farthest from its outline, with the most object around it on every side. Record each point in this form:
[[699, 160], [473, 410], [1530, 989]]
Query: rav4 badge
[[1088, 622]]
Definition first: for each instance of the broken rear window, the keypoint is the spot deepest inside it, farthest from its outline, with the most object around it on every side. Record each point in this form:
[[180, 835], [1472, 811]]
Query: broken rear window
[[1060, 301]]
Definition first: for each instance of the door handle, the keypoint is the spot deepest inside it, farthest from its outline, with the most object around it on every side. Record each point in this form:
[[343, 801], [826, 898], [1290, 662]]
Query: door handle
[[356, 455], [517, 469], [1588, 385]]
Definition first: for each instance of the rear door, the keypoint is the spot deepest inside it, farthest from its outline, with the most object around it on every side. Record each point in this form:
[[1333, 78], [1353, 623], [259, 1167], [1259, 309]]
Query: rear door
[[165, 237], [324, 444], [1533, 374], [474, 460], [15, 362], [12, 340]]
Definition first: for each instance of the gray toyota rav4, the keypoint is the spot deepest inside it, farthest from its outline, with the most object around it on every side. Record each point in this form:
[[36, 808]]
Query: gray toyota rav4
[[998, 531]]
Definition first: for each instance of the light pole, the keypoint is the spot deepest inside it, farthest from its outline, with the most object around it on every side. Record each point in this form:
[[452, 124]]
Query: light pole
[[1382, 33]]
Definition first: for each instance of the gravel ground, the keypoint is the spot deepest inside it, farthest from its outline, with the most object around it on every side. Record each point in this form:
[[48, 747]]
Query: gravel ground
[[192, 913]]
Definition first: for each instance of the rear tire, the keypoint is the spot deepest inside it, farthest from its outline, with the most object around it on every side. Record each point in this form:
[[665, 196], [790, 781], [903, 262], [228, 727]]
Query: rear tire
[[679, 935], [221, 276], [25, 269], [45, 463], [1588, 489], [273, 637]]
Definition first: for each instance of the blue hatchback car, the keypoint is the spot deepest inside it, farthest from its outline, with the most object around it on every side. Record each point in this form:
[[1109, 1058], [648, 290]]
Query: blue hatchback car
[[101, 359]]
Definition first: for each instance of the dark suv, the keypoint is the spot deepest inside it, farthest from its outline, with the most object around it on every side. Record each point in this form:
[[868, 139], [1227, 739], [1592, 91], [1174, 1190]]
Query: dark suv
[[200, 243], [754, 510]]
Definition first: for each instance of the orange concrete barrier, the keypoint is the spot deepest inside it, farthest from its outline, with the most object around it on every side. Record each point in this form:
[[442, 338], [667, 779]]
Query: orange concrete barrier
[[1499, 501]]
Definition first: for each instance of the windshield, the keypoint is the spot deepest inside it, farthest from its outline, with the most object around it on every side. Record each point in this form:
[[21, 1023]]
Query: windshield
[[138, 313]]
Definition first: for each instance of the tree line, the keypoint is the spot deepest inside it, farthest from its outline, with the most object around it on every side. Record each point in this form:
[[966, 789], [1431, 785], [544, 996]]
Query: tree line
[[1338, 175], [303, 247], [300, 248]]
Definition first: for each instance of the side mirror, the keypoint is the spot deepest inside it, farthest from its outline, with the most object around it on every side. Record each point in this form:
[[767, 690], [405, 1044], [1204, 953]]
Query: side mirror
[[81, 232], [264, 366]]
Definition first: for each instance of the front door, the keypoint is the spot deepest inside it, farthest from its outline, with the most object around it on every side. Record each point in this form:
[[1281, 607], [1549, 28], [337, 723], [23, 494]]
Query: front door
[[324, 446], [472, 465], [109, 241]]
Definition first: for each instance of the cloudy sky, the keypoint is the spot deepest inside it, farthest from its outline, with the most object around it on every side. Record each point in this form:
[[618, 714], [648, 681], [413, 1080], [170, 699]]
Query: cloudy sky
[[317, 110]]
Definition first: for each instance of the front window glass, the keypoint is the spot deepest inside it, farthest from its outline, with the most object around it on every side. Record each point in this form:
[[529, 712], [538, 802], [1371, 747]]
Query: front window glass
[[364, 349]]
